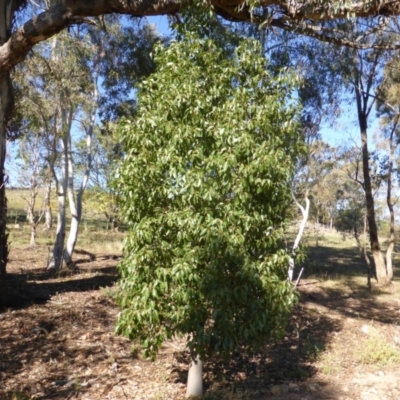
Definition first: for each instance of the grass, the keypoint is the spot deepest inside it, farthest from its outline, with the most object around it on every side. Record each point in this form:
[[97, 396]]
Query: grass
[[93, 236], [375, 349]]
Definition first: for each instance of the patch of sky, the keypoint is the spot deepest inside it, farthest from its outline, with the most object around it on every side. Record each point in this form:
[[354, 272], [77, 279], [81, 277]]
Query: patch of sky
[[344, 131]]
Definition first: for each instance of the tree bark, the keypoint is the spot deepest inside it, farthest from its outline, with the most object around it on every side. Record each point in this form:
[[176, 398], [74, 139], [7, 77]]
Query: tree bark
[[56, 260], [362, 247], [7, 10], [31, 207], [6, 104], [382, 275], [392, 237], [48, 224]]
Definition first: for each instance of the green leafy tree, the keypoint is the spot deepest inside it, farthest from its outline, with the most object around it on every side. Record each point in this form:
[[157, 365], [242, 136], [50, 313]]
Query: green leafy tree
[[204, 187]]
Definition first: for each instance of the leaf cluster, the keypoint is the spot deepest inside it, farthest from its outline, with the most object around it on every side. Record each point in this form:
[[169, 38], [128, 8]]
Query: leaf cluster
[[204, 187]]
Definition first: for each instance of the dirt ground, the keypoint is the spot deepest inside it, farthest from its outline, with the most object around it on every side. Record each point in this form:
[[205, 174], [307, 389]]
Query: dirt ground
[[57, 342]]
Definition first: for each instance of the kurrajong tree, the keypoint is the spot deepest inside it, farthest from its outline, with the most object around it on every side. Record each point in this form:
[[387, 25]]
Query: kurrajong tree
[[204, 187]]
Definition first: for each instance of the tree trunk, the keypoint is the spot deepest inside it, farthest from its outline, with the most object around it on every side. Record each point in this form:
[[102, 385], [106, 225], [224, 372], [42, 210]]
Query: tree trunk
[[6, 103], [75, 218], [31, 205], [362, 247], [195, 378], [382, 275], [33, 235], [392, 237], [7, 10], [304, 211], [47, 206], [56, 260], [76, 206]]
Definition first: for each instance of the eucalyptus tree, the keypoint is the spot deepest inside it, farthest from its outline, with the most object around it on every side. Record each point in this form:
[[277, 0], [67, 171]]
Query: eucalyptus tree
[[204, 187], [33, 174], [60, 87], [364, 75], [388, 107], [359, 72], [8, 9], [351, 215]]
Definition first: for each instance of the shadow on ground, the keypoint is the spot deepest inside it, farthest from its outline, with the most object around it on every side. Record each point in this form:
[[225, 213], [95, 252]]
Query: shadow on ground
[[330, 262], [352, 300], [38, 286], [283, 368], [66, 348]]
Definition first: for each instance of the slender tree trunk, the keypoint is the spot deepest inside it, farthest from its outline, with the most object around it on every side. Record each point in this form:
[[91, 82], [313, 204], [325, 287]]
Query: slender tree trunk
[[362, 247], [73, 232], [382, 275], [195, 378], [31, 208], [392, 237], [76, 206], [304, 211], [33, 235], [47, 206], [56, 261]]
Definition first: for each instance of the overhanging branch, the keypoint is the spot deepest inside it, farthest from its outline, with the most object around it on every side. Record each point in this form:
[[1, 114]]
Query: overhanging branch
[[290, 15]]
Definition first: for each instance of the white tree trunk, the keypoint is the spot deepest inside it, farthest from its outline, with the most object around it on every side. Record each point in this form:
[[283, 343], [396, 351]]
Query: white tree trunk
[[195, 378], [33, 235], [76, 206], [304, 211], [56, 259], [390, 203], [73, 233], [48, 224], [31, 208]]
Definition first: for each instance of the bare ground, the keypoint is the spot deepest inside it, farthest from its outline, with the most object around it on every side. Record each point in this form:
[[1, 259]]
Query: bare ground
[[57, 342]]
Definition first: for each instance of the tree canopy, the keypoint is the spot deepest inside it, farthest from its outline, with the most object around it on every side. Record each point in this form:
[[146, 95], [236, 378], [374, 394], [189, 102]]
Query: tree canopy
[[205, 189]]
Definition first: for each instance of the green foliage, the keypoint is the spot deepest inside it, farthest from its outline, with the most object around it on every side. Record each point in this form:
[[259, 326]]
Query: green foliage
[[204, 188]]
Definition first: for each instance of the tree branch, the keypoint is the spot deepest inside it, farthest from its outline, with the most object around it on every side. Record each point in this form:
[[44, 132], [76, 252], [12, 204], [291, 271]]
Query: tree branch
[[288, 15]]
